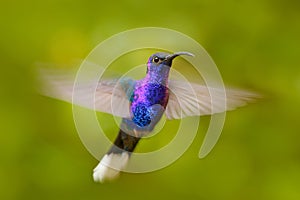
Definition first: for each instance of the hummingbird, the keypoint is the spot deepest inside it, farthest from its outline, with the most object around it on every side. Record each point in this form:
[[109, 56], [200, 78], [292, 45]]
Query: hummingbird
[[146, 101]]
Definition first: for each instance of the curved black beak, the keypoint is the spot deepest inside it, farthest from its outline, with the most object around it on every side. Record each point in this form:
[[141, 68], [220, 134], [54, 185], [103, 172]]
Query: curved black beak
[[170, 57]]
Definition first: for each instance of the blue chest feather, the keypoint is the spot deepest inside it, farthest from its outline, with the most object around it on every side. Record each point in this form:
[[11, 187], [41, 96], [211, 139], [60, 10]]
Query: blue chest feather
[[144, 97]]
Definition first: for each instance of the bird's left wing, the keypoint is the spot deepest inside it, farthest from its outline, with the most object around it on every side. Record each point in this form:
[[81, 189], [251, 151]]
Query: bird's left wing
[[190, 99], [108, 95]]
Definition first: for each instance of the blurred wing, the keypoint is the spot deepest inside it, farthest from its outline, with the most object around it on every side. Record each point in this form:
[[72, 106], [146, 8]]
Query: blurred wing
[[109, 96], [190, 99]]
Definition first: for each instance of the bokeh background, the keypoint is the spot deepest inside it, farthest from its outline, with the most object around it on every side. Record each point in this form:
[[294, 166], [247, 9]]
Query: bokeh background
[[255, 44]]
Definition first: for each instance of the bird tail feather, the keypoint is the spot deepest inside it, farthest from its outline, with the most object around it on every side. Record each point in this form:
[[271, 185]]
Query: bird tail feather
[[116, 158], [104, 171]]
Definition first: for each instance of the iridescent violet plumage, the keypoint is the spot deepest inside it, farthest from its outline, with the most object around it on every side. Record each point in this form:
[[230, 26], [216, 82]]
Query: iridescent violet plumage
[[145, 97], [151, 94]]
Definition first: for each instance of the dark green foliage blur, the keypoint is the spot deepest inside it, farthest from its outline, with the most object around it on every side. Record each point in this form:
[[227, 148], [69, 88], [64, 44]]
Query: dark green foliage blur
[[255, 44]]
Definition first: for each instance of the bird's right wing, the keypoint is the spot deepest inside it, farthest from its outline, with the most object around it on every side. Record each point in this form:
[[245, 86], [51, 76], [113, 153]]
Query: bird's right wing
[[190, 99], [109, 95]]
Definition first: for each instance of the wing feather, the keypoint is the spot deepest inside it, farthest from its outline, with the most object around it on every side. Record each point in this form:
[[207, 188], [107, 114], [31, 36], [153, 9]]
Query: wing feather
[[109, 96], [190, 99]]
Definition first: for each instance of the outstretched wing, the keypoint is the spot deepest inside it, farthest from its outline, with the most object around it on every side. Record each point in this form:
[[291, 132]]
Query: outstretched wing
[[109, 96], [190, 99]]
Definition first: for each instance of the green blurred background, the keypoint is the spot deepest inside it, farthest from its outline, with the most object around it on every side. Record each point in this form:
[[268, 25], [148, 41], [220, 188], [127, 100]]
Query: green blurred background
[[255, 44]]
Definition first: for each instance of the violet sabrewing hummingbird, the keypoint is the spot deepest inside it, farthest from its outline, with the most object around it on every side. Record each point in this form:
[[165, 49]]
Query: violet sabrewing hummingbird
[[141, 104], [148, 101]]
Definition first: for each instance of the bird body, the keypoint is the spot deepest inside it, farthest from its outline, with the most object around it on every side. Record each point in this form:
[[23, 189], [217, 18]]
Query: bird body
[[148, 96], [148, 101]]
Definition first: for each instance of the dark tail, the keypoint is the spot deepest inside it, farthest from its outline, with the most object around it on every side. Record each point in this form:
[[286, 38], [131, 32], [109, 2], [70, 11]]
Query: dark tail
[[124, 142], [117, 157]]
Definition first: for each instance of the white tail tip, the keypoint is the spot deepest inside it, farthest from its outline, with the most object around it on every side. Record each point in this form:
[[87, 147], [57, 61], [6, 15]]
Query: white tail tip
[[109, 167]]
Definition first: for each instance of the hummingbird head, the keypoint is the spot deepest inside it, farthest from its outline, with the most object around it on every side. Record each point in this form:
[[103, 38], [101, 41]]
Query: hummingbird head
[[162, 60]]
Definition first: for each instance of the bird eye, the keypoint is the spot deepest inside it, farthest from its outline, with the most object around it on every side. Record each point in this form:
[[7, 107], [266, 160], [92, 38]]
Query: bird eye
[[156, 59]]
